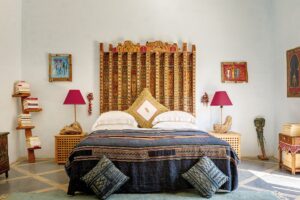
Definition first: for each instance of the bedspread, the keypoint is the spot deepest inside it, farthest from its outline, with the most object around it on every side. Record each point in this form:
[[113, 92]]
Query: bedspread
[[153, 159]]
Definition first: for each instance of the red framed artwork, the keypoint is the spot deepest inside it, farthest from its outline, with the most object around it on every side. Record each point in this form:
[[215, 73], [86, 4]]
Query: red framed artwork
[[293, 72], [234, 72]]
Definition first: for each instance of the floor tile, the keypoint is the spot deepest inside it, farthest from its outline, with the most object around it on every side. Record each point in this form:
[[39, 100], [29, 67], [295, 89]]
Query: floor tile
[[256, 165], [11, 174], [58, 177], [25, 161], [22, 185], [41, 167], [275, 185], [244, 175]]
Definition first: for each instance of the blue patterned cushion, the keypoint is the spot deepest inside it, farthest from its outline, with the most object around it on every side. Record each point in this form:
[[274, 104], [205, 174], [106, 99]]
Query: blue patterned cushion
[[205, 177], [104, 179]]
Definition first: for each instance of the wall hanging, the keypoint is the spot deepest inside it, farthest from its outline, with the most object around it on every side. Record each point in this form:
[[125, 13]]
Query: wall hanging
[[167, 70], [205, 99], [90, 98], [234, 72], [293, 73], [60, 67]]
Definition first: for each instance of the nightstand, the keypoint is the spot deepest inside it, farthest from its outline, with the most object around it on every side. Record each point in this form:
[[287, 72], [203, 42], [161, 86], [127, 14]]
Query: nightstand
[[64, 144], [289, 152], [233, 138], [4, 160]]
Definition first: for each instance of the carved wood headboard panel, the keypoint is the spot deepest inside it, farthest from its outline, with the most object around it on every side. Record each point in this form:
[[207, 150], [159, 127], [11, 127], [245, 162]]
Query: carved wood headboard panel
[[128, 68]]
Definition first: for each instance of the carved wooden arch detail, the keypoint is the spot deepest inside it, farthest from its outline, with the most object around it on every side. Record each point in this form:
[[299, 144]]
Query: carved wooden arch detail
[[168, 71]]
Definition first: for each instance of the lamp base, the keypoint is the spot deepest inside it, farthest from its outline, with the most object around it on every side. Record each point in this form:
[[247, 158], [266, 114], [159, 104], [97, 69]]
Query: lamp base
[[223, 128], [72, 129]]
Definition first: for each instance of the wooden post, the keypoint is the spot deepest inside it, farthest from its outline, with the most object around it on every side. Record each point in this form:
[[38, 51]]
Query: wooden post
[[101, 49], [110, 79], [194, 79], [120, 80], [166, 80]]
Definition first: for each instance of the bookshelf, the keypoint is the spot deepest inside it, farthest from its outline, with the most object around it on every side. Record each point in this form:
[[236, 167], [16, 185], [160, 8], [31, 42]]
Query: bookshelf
[[27, 129]]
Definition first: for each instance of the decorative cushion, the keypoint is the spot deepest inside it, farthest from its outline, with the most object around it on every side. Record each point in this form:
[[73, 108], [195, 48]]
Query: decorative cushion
[[174, 116], [104, 179], [205, 177], [146, 108]]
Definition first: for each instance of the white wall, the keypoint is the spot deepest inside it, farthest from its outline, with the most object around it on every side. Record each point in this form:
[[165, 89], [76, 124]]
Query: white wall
[[286, 15], [230, 30], [10, 65]]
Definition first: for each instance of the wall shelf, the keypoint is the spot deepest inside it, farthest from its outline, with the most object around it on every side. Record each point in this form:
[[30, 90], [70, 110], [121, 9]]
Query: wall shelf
[[31, 149], [33, 110], [27, 129], [21, 95]]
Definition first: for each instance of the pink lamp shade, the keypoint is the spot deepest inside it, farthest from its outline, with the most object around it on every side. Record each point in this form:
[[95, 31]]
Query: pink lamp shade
[[74, 97], [221, 99]]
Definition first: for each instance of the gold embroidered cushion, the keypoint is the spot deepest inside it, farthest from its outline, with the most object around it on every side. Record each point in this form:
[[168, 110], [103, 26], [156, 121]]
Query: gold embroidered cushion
[[146, 108]]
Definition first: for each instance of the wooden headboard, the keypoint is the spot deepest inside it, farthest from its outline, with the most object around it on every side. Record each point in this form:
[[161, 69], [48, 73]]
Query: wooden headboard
[[128, 68]]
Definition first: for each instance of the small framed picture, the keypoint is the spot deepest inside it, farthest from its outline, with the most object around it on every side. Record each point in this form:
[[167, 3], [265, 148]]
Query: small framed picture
[[293, 72], [234, 72], [60, 67]]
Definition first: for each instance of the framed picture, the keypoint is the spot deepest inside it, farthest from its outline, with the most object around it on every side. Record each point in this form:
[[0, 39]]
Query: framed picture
[[234, 72], [60, 67], [293, 72]]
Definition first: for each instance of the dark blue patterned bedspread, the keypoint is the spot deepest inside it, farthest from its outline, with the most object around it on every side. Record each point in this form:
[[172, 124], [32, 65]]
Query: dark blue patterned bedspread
[[153, 159]]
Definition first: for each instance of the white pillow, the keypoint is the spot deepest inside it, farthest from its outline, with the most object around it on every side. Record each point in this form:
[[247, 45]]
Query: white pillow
[[113, 127], [175, 126], [115, 118], [174, 116]]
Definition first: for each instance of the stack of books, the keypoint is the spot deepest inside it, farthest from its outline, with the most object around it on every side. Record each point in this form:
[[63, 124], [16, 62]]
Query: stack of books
[[292, 129], [22, 87], [33, 142], [31, 103], [24, 120]]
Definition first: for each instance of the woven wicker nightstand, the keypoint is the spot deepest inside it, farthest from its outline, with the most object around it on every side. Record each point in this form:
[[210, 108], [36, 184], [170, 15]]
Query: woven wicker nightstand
[[233, 138], [64, 144]]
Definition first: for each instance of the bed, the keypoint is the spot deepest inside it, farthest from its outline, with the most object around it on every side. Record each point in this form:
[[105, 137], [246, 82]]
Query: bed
[[153, 159]]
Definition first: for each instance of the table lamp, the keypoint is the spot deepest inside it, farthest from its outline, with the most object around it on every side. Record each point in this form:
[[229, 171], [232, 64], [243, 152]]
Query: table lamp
[[74, 97], [221, 99]]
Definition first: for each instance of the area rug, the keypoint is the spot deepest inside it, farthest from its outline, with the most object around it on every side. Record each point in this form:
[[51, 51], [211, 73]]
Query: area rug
[[186, 195]]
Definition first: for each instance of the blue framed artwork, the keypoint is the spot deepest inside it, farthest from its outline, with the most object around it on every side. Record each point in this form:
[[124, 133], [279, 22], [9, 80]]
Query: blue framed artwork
[[60, 67]]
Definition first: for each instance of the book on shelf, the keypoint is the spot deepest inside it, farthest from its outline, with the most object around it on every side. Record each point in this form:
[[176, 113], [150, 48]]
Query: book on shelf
[[22, 87], [31, 103], [292, 129], [24, 120], [33, 142]]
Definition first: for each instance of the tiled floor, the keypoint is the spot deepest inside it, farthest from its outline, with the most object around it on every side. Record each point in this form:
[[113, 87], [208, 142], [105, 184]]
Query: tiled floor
[[46, 175]]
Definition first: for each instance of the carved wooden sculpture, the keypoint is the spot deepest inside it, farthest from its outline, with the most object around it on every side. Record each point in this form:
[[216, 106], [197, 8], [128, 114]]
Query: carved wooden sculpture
[[225, 127], [259, 124]]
